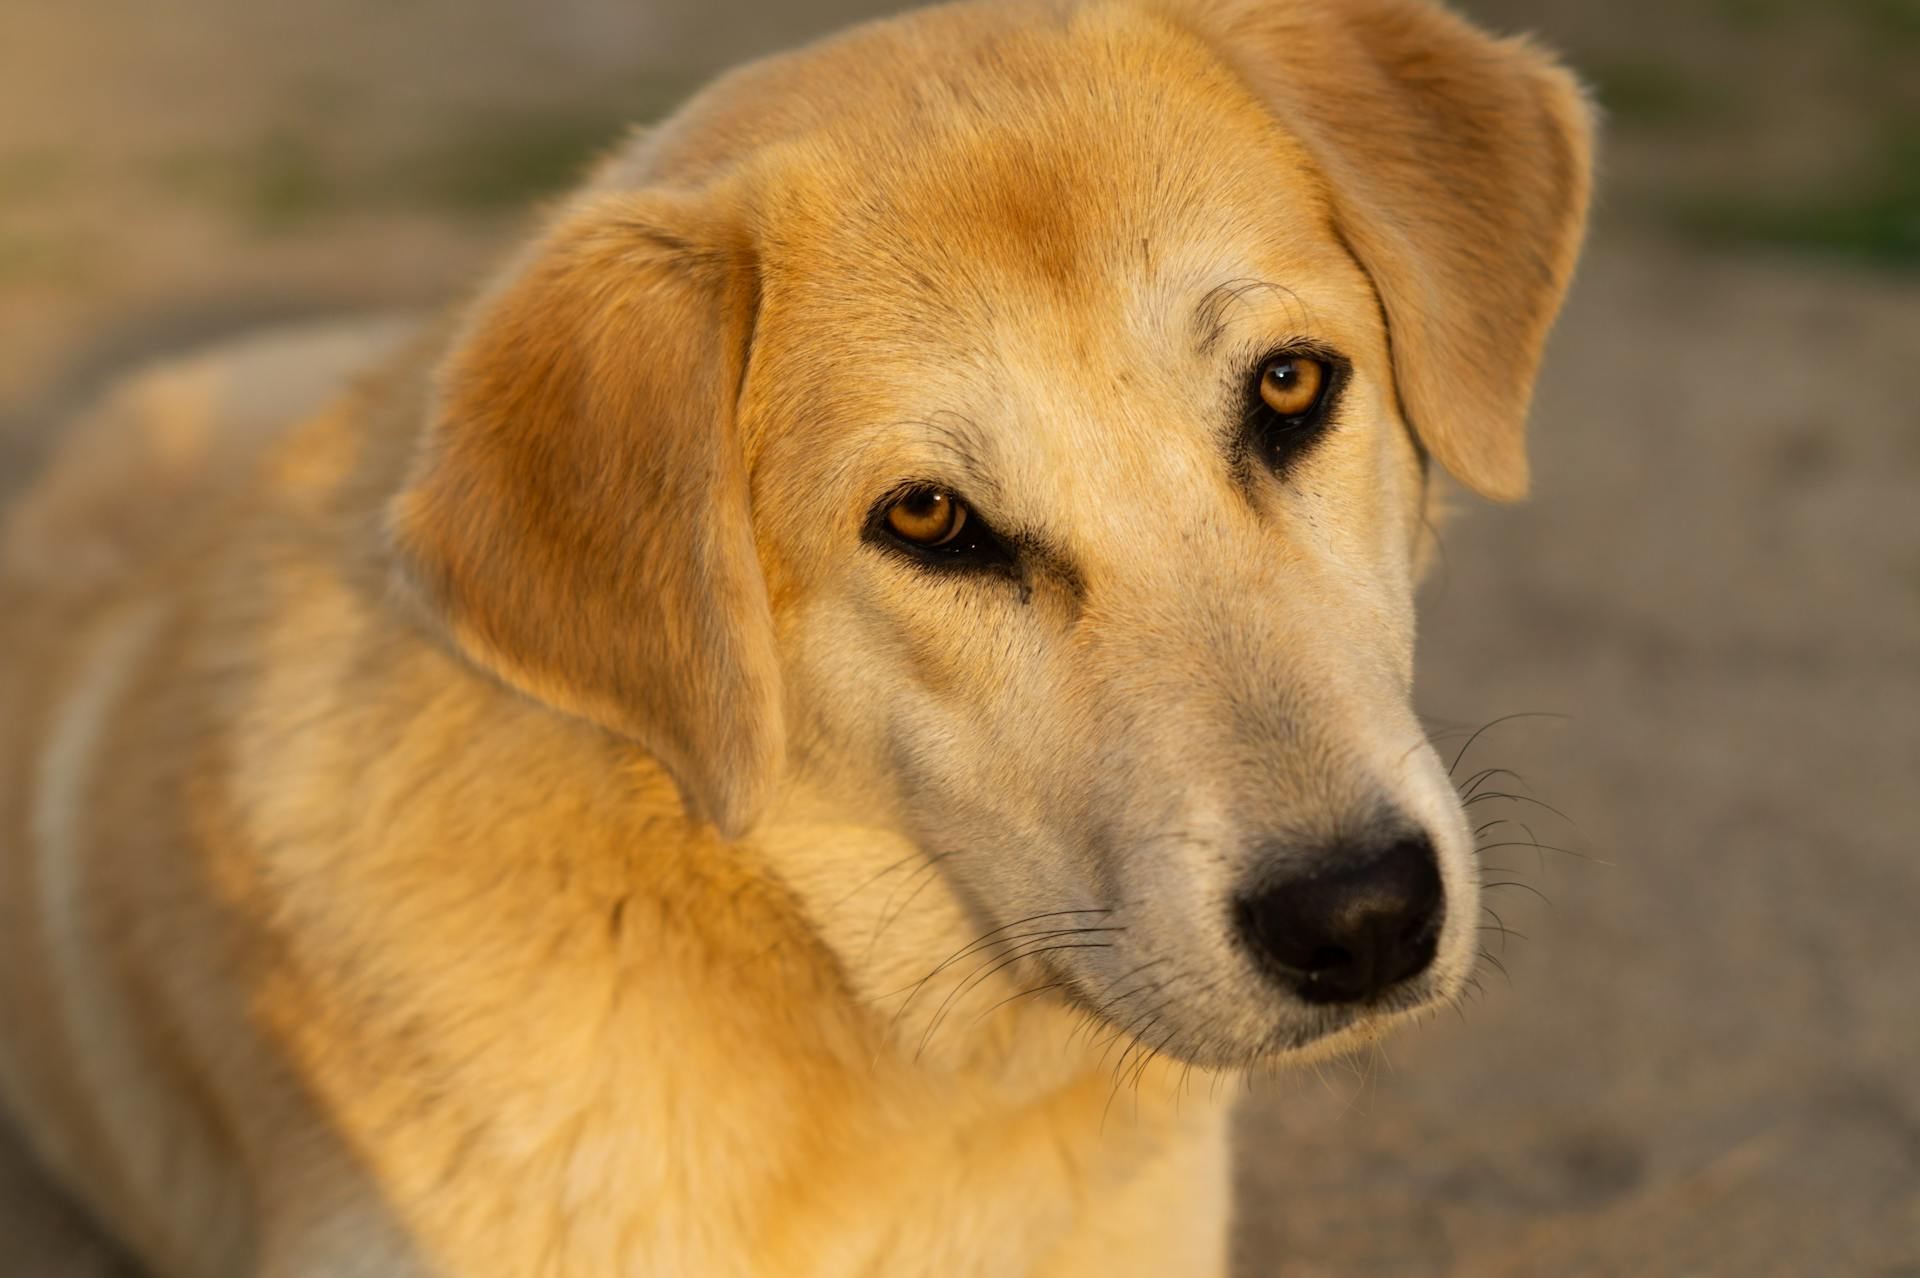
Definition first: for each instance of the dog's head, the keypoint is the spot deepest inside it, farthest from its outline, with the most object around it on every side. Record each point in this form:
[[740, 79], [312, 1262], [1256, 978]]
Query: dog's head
[[1009, 427]]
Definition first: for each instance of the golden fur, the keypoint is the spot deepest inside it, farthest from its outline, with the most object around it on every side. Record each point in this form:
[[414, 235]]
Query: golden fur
[[503, 819]]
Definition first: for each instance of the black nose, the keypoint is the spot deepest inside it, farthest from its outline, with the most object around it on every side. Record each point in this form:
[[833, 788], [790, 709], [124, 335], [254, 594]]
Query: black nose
[[1340, 926]]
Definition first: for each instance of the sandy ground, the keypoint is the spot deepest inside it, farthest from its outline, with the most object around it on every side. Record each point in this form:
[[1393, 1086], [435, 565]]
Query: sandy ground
[[1704, 1058]]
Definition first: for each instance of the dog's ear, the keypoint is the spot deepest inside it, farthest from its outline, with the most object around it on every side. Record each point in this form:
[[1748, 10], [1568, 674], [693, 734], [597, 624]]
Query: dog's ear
[[1459, 167], [578, 517]]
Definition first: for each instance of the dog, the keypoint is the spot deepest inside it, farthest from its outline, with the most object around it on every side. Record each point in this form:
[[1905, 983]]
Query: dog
[[810, 728]]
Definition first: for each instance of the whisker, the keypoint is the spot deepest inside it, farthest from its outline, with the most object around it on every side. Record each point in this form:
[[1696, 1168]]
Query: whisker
[[1147, 1058], [871, 881], [1011, 998], [1494, 723], [1525, 887], [1120, 1065], [1485, 775], [983, 939], [1517, 798], [889, 913], [1544, 847], [977, 976], [1100, 1016]]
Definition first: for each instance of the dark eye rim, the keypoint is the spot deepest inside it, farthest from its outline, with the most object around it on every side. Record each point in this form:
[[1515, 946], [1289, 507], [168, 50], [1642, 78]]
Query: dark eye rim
[[1283, 441], [977, 548]]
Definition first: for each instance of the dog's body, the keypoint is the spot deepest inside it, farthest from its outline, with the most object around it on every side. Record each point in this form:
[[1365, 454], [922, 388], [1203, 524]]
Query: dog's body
[[439, 834], [521, 871]]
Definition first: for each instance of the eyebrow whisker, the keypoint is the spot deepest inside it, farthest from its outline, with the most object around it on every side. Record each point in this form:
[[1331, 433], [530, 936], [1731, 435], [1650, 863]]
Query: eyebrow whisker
[[1210, 315]]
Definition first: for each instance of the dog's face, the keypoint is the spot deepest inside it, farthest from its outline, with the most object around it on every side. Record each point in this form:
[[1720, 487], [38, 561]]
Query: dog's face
[[1056, 507], [1091, 521]]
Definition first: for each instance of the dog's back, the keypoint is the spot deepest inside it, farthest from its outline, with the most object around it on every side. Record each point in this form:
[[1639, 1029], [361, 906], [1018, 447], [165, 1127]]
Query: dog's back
[[163, 445], [101, 534]]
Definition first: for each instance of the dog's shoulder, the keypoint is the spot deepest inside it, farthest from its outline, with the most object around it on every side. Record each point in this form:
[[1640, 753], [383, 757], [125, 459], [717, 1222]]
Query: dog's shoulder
[[166, 446]]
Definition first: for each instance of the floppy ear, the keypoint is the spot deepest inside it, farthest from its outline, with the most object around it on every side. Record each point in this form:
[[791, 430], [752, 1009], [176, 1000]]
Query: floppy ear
[[1459, 169], [578, 517]]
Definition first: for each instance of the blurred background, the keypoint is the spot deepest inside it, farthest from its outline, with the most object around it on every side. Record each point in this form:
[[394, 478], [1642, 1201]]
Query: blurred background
[[1704, 1057]]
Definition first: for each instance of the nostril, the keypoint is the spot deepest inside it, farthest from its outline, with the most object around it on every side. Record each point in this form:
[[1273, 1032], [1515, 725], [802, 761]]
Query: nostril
[[1342, 924], [1327, 958]]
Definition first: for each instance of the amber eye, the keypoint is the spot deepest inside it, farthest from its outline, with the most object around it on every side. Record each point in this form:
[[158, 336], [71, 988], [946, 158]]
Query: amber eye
[[1292, 384], [927, 517]]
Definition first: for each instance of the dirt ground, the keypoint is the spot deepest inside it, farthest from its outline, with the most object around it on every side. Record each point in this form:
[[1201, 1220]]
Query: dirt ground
[[1704, 1058]]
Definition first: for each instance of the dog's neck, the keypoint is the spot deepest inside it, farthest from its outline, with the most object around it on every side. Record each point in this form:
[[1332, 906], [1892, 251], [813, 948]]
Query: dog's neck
[[657, 974]]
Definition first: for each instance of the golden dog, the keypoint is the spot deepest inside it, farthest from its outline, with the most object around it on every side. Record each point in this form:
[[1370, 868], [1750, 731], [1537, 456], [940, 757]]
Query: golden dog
[[805, 732]]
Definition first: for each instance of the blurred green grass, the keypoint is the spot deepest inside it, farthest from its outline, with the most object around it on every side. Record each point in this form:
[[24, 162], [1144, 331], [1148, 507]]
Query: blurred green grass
[[1836, 153], [1873, 218], [1643, 93], [1897, 19]]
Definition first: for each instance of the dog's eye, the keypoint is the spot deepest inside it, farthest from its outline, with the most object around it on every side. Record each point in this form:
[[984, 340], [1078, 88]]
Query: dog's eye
[[1289, 403], [1291, 385], [927, 517], [933, 526]]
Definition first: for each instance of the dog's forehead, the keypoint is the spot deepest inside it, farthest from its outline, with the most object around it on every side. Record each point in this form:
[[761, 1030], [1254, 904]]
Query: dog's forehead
[[1064, 180], [1022, 260], [1074, 216]]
